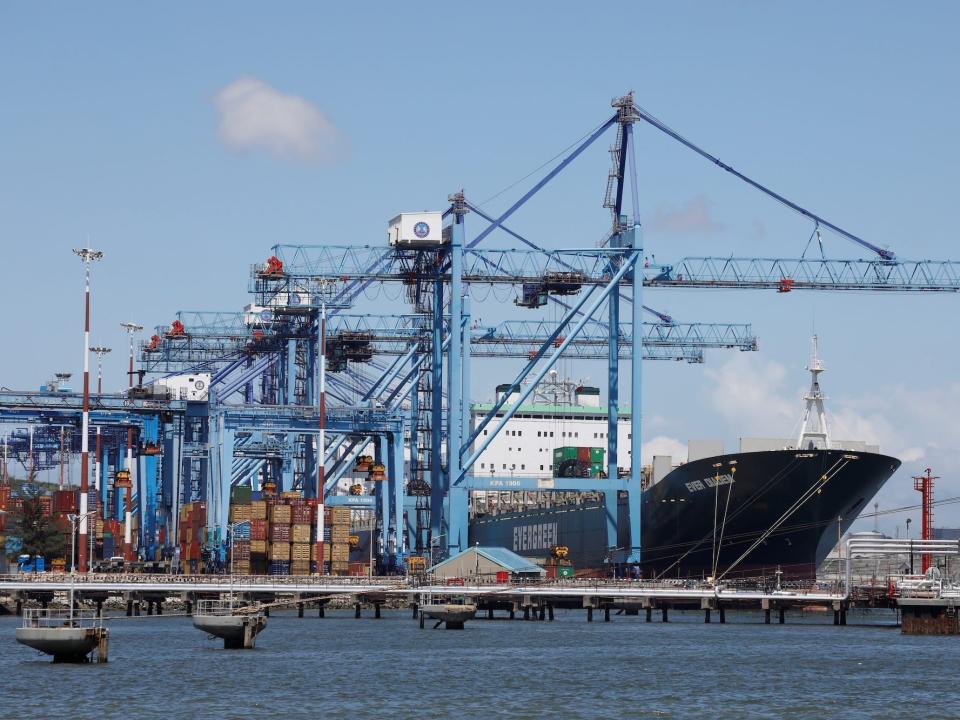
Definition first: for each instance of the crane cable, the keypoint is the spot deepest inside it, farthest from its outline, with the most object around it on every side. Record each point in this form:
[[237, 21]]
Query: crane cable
[[884, 253]]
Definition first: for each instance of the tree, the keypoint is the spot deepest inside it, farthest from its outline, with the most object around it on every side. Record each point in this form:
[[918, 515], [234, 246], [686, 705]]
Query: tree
[[39, 535]]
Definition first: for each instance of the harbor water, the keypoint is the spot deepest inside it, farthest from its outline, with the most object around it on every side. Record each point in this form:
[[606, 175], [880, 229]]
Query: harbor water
[[337, 666]]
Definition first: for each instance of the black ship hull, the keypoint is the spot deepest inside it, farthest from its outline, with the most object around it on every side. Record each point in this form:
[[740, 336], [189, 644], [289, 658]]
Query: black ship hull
[[743, 514]]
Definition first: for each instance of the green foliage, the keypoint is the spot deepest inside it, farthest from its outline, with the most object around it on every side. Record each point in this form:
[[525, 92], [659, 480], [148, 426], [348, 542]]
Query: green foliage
[[40, 535]]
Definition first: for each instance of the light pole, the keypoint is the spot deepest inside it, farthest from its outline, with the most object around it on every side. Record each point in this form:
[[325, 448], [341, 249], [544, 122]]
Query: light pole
[[89, 256], [132, 329], [911, 545], [99, 351]]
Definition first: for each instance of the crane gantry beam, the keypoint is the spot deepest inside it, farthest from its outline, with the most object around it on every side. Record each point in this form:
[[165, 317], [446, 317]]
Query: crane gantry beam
[[784, 275]]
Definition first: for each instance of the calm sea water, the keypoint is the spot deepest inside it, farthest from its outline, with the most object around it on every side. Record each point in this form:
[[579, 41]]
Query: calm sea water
[[341, 667]]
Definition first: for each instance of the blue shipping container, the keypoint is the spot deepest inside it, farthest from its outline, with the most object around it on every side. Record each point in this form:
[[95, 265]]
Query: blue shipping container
[[279, 567]]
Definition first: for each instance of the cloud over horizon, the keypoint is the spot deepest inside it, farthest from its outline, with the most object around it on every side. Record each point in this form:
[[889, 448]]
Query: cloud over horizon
[[255, 115], [692, 217]]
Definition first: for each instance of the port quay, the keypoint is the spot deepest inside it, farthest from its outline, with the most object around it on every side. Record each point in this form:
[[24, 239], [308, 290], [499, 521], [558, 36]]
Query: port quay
[[479, 360]]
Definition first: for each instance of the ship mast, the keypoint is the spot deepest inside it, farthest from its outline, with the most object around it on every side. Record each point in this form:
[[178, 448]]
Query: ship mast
[[820, 437]]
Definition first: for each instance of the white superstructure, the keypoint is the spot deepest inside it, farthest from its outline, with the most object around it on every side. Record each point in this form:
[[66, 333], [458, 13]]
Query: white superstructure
[[563, 413]]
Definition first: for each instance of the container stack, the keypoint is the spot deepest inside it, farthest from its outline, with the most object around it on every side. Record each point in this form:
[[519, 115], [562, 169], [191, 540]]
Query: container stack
[[193, 521], [280, 535], [301, 532], [583, 462], [339, 524]]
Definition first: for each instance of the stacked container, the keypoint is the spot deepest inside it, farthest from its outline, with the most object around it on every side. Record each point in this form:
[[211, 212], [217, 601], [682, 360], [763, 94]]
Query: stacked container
[[339, 540]]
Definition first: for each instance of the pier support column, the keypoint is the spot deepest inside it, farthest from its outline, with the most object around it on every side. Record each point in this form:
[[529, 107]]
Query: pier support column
[[526, 612], [415, 608], [421, 619], [376, 611], [836, 617], [706, 616], [766, 616], [781, 615], [320, 610], [103, 646], [606, 614], [99, 608], [300, 610], [664, 615], [136, 609], [159, 607], [843, 616], [129, 608], [149, 607], [19, 607], [356, 611], [512, 613], [543, 612], [723, 616], [490, 613], [550, 611], [189, 607], [649, 614], [589, 614]]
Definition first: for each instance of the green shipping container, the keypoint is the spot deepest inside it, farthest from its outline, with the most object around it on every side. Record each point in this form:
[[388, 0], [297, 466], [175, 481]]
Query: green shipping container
[[565, 571], [240, 495], [596, 470], [564, 453], [596, 455]]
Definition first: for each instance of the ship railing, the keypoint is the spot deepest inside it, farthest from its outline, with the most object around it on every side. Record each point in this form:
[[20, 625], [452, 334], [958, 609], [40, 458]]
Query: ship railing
[[60, 618]]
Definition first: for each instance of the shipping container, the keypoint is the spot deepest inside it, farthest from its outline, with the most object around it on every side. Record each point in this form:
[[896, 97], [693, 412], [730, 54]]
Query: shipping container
[[258, 509], [280, 514], [258, 547], [299, 567], [258, 529], [239, 513], [301, 514], [301, 533], [242, 532], [279, 567], [280, 533], [300, 551], [279, 551], [240, 495]]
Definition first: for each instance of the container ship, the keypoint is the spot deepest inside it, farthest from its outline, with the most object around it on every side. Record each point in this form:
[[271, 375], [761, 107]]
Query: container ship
[[777, 504]]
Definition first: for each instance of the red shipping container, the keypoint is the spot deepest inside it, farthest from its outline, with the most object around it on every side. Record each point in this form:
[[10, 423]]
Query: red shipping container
[[280, 533], [302, 514], [258, 529], [66, 501], [583, 453], [551, 572], [5, 491], [320, 558], [503, 576], [46, 505], [3, 522]]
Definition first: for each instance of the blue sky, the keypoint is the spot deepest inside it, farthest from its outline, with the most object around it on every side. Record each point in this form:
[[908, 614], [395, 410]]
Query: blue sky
[[113, 127]]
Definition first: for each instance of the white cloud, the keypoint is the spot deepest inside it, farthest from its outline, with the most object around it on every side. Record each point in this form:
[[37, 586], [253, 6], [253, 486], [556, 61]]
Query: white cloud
[[254, 115], [749, 392], [663, 445], [692, 217], [918, 425]]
